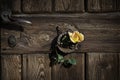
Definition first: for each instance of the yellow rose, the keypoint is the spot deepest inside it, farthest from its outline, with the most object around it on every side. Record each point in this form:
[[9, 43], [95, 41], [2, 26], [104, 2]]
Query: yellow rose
[[76, 37]]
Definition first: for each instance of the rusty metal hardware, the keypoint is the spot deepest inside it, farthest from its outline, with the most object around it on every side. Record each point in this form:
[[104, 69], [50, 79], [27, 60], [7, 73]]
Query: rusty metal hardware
[[6, 16], [12, 41]]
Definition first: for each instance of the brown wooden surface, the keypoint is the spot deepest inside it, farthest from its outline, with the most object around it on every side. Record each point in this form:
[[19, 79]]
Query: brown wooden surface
[[74, 6], [119, 66], [102, 66], [75, 72], [101, 5], [10, 67], [118, 5], [29, 59], [101, 33], [13, 5], [69, 5], [36, 6], [36, 67]]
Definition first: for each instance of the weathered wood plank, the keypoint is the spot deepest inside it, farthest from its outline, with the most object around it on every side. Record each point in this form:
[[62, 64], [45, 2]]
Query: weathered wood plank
[[101, 5], [101, 34], [108, 5], [10, 67], [6, 33], [102, 66], [36, 67], [94, 5], [36, 6], [118, 5], [69, 5], [119, 66], [75, 72], [14, 5], [104, 16]]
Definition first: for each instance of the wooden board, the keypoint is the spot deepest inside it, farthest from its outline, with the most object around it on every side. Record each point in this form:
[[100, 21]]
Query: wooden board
[[118, 5], [36, 67], [36, 6], [119, 66], [101, 5], [14, 5], [102, 66], [101, 33], [69, 5], [75, 72], [10, 67]]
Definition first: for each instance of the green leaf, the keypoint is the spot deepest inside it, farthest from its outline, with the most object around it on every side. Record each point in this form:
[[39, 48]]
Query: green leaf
[[72, 61], [63, 38], [60, 58]]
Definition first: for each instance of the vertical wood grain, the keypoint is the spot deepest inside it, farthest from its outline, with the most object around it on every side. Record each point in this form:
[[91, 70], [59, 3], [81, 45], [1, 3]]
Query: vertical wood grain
[[108, 5], [119, 66], [94, 5], [36, 6], [102, 66], [118, 5], [69, 5], [10, 67], [75, 72], [101, 5], [36, 67], [13, 5]]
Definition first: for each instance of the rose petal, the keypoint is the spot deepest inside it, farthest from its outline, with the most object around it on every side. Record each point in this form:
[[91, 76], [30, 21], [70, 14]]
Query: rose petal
[[76, 36]]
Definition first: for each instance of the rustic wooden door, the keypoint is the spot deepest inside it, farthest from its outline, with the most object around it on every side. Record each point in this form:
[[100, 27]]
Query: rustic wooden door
[[98, 56]]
